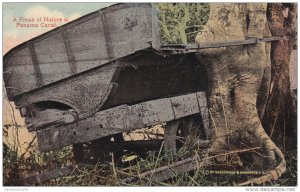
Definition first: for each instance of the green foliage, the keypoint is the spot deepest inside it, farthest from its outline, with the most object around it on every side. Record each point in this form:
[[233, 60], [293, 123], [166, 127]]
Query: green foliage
[[180, 22], [15, 167], [11, 161], [9, 155]]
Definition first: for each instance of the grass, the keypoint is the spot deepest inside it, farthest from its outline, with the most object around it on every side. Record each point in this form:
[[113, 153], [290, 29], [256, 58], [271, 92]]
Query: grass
[[115, 172]]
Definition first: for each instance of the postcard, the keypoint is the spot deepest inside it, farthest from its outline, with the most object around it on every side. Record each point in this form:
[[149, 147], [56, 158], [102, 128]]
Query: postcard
[[150, 94]]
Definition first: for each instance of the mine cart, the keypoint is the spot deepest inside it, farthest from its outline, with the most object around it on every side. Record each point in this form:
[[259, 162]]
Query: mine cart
[[101, 75], [107, 73]]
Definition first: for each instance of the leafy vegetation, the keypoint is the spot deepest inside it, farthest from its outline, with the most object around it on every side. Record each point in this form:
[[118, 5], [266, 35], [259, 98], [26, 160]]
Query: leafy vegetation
[[180, 22]]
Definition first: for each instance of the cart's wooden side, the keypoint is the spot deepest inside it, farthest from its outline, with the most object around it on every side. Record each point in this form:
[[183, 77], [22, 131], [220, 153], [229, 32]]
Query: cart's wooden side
[[124, 118], [83, 44]]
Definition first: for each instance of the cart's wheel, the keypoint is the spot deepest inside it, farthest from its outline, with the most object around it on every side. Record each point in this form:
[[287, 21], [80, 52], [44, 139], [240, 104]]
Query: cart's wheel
[[187, 132]]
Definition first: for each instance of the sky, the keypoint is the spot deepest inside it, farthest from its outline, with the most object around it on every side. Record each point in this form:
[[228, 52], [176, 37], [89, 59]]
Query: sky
[[14, 35]]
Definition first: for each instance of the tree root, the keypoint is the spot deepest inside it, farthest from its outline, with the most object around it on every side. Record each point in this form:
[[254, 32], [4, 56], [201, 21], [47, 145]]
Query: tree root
[[272, 152], [271, 175]]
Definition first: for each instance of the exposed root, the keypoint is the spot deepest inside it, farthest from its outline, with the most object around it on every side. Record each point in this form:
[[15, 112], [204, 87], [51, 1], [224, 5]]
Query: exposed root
[[271, 175], [271, 151]]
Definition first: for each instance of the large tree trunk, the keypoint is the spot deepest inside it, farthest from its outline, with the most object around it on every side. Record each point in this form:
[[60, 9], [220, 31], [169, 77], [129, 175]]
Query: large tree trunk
[[238, 76], [280, 116]]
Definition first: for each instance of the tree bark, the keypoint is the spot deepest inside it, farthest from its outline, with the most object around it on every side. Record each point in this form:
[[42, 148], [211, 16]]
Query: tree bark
[[280, 116], [239, 80]]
